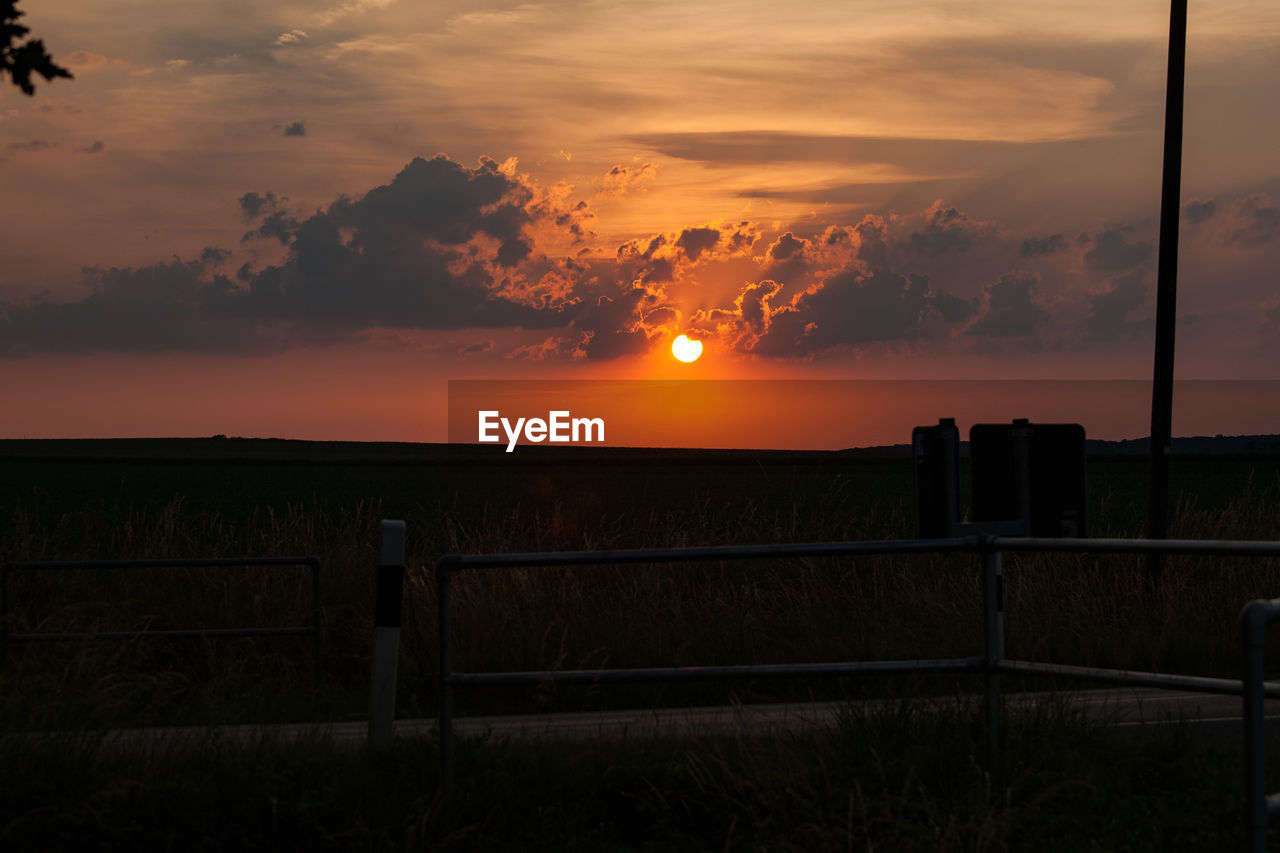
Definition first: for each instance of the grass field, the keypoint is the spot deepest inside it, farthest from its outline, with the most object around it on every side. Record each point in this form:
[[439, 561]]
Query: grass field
[[233, 498], [204, 498]]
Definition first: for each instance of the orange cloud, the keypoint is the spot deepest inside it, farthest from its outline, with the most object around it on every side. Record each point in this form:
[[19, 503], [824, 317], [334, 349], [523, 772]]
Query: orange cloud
[[621, 180]]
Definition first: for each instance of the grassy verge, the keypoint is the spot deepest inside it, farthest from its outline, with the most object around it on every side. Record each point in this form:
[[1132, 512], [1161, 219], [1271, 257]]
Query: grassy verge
[[905, 778]]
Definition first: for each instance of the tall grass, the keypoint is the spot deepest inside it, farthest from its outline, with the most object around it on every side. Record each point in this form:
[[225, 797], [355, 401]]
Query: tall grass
[[1088, 610], [906, 777]]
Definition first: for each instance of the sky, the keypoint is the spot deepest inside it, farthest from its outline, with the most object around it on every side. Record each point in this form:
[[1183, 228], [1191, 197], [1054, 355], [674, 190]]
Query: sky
[[304, 219]]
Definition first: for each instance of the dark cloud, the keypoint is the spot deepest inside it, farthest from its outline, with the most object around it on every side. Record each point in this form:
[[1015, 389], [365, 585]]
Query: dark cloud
[[478, 346], [666, 258], [613, 327], [1009, 308], [952, 309], [430, 250], [1034, 246], [753, 304], [1196, 211], [694, 241], [168, 306], [33, 145], [298, 128], [946, 229], [787, 258], [1112, 253], [795, 259], [277, 223], [1251, 221], [1111, 310], [95, 147], [253, 205], [848, 310], [275, 226], [1269, 331], [406, 254], [873, 246]]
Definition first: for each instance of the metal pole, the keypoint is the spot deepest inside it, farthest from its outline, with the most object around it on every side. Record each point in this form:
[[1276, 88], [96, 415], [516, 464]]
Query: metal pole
[[445, 626], [993, 648], [386, 635], [1253, 629], [1167, 284]]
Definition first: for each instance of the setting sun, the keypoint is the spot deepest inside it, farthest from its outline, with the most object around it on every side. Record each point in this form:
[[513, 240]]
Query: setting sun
[[686, 349]]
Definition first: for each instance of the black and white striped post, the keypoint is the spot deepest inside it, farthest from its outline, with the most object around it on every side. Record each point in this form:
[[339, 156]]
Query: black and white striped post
[[386, 635]]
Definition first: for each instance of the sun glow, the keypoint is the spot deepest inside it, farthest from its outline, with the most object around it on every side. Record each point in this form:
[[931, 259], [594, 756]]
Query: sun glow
[[686, 349]]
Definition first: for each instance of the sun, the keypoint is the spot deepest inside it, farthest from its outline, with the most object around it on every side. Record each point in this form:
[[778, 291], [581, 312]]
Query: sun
[[686, 349]]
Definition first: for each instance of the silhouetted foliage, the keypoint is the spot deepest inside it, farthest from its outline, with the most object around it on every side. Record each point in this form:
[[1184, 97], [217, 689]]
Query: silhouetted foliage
[[21, 60]]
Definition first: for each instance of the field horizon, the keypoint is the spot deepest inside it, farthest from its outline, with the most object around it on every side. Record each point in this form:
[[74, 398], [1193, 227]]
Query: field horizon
[[248, 448]]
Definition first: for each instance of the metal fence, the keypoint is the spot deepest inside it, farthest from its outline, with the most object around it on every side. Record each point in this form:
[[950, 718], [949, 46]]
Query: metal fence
[[1259, 808], [313, 630]]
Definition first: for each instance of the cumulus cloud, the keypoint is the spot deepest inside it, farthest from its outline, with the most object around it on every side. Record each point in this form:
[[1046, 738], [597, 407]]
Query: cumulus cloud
[[253, 205], [694, 241], [621, 180], [426, 251], [666, 258], [849, 310], [298, 128], [276, 221], [795, 259], [946, 230], [1197, 211], [788, 257], [1009, 308], [174, 305], [1111, 252], [443, 246], [1250, 222], [1035, 246], [294, 36], [1111, 310], [1269, 331]]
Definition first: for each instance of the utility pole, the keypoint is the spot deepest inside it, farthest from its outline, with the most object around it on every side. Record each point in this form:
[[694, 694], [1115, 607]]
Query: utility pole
[[1167, 284]]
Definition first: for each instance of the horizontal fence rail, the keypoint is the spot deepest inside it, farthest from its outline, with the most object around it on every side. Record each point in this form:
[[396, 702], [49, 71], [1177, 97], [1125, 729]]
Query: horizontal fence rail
[[1259, 808], [314, 630]]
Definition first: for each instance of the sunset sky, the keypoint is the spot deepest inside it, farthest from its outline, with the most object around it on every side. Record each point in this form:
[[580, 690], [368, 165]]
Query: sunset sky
[[303, 219]]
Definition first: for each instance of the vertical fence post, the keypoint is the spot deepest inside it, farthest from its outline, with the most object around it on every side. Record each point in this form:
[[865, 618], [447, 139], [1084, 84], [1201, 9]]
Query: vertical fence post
[[317, 615], [993, 649], [386, 635], [445, 627], [1253, 631]]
